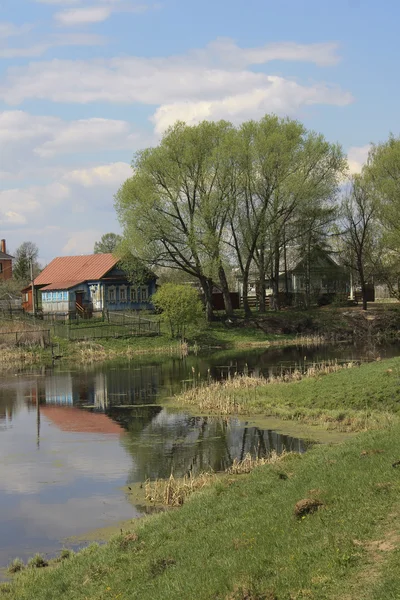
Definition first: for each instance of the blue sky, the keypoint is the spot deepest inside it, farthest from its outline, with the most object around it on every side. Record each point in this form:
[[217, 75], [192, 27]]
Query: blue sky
[[85, 83]]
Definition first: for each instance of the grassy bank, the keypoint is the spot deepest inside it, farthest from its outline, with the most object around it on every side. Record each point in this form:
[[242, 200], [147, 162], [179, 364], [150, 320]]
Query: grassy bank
[[273, 328], [240, 538], [352, 398]]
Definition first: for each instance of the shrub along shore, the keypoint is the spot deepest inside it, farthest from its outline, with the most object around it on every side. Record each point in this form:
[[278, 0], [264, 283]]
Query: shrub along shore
[[322, 526]]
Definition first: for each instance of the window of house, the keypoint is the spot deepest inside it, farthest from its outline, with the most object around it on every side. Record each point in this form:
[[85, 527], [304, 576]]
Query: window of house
[[133, 295], [65, 295], [26, 297], [1, 267], [122, 293], [112, 296], [145, 294]]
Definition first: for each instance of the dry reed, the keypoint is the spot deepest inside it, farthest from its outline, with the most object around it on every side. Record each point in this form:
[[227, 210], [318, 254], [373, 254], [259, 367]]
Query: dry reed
[[174, 491], [219, 396]]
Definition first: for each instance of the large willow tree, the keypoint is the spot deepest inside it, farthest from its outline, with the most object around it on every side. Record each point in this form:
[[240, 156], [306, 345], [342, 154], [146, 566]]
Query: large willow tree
[[212, 195], [175, 207], [284, 171]]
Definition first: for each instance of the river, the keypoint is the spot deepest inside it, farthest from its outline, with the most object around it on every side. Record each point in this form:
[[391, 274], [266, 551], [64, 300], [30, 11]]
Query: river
[[71, 440]]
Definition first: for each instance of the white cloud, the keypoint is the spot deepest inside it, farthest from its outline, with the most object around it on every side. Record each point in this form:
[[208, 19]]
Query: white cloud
[[97, 12], [81, 242], [20, 204], [82, 16], [53, 41], [86, 135], [356, 157], [209, 74], [32, 140], [280, 96], [113, 175], [225, 51], [10, 30]]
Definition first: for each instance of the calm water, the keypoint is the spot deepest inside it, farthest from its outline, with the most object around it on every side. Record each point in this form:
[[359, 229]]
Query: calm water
[[65, 459]]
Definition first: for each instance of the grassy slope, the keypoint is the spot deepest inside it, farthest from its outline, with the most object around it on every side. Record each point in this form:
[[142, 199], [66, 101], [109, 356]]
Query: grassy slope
[[369, 388], [245, 534]]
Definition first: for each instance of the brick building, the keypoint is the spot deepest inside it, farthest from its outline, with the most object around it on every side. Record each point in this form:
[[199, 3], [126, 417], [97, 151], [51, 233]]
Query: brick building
[[5, 262]]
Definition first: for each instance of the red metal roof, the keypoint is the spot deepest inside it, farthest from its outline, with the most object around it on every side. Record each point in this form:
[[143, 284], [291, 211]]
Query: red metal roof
[[75, 419], [76, 269], [63, 285]]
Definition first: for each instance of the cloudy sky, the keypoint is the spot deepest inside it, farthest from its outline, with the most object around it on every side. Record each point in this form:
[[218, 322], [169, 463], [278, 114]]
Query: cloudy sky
[[85, 83]]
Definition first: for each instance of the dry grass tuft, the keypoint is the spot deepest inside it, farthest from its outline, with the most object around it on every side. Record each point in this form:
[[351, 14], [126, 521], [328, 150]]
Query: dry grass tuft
[[249, 463], [219, 396], [306, 506], [174, 491]]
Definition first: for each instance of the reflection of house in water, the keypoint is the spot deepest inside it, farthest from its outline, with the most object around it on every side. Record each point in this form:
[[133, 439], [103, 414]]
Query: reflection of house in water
[[80, 420], [58, 389]]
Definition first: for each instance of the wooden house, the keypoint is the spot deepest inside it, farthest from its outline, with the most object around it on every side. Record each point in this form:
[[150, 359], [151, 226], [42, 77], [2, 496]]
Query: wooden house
[[86, 286], [5, 262], [319, 277]]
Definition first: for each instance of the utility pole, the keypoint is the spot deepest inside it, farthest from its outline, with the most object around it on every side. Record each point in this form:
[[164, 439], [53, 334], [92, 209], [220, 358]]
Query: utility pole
[[33, 291]]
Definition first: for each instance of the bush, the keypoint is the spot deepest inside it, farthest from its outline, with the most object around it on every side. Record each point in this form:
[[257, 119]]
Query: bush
[[180, 307]]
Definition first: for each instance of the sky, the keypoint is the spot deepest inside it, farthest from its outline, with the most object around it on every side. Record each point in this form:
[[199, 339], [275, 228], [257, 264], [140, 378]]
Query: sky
[[84, 84]]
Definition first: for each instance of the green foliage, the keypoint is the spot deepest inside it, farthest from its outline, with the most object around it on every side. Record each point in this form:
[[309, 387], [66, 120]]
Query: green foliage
[[180, 306], [383, 173], [25, 255], [108, 243]]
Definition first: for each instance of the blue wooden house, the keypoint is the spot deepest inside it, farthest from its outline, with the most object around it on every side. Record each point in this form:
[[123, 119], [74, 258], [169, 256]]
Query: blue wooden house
[[87, 286]]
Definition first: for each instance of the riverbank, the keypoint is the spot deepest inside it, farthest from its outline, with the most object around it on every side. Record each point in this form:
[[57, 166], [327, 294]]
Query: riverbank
[[241, 539], [287, 327], [347, 397], [101, 350]]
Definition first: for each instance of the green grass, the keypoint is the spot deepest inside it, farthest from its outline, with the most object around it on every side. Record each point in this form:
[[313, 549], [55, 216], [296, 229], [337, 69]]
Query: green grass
[[366, 395], [241, 534]]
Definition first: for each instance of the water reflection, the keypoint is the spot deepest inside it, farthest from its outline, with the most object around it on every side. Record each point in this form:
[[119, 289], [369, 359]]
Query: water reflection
[[71, 439]]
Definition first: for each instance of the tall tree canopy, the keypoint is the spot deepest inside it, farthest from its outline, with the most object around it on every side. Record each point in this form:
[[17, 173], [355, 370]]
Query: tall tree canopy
[[25, 255], [174, 208], [107, 244], [212, 196]]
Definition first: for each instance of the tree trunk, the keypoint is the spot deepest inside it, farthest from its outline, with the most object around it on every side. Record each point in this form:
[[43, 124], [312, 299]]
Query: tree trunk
[[246, 306], [225, 291], [363, 285], [261, 285], [276, 280], [207, 290]]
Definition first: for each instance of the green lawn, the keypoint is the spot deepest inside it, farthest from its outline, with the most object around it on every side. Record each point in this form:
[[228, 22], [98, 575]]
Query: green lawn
[[240, 538], [352, 398]]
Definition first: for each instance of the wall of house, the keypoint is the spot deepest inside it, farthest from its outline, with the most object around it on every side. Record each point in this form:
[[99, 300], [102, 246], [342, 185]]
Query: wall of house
[[62, 302], [97, 296], [5, 269], [125, 296]]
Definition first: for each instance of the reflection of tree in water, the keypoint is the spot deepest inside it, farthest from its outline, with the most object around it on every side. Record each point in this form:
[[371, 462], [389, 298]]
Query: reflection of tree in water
[[180, 444]]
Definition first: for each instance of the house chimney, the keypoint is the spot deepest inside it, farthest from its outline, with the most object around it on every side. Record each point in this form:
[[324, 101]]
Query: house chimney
[[3, 246]]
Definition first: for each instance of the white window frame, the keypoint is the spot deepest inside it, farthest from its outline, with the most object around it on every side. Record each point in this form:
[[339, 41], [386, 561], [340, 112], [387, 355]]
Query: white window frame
[[133, 294], [112, 294], [123, 297], [144, 294]]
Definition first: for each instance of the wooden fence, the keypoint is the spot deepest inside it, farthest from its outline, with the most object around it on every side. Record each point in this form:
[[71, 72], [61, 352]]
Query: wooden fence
[[106, 330], [28, 337]]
